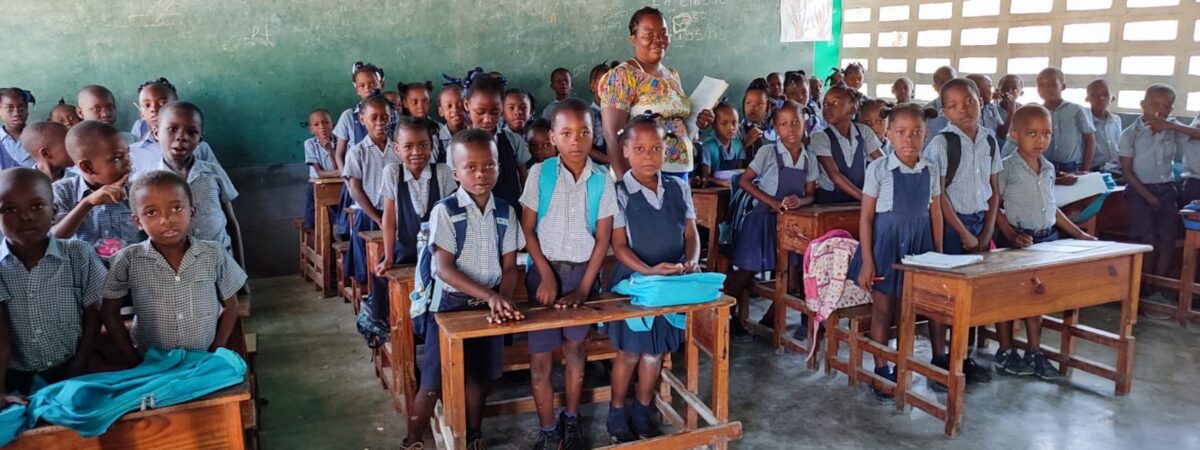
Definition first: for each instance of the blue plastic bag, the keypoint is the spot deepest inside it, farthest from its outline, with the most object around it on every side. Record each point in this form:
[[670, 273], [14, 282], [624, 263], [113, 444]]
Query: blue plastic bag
[[672, 290]]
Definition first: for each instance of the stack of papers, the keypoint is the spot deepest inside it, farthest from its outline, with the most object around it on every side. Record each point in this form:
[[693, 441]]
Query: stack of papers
[[1065, 246], [935, 260], [706, 96]]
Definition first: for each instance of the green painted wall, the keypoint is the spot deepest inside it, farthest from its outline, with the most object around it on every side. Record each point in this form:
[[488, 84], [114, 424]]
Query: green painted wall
[[257, 67]]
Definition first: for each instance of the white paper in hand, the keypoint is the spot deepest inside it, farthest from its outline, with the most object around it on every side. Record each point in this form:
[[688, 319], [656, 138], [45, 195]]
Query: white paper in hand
[[705, 96], [1085, 186]]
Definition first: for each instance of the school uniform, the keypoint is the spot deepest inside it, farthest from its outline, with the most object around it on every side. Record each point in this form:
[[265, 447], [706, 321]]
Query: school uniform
[[513, 152], [971, 187], [45, 307], [174, 309], [816, 118], [851, 155], [902, 224], [769, 136], [139, 129], [1190, 155], [349, 128], [719, 157], [479, 260], [365, 161], [548, 111], [211, 189], [6, 161], [107, 228], [314, 154], [1108, 136], [597, 127], [992, 117], [14, 149], [565, 239], [936, 124], [1028, 199], [1071, 121], [1152, 155], [654, 223], [778, 176], [146, 154]]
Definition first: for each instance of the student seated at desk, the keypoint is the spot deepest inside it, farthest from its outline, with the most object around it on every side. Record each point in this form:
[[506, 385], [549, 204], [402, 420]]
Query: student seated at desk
[[654, 234], [50, 289], [722, 151], [568, 208], [968, 160], [1030, 216], [183, 289], [480, 264], [901, 215], [782, 177]]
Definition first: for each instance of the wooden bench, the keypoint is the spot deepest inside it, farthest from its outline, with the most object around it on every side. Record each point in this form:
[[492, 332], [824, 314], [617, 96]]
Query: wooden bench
[[795, 229], [399, 355], [214, 421], [307, 247], [346, 287], [317, 261], [712, 206], [1185, 286], [708, 330]]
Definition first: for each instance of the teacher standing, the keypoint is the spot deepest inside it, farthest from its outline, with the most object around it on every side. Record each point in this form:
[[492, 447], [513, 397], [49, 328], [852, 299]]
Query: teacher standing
[[643, 83]]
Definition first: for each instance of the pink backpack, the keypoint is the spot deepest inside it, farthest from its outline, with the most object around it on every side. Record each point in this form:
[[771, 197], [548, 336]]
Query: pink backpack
[[826, 287]]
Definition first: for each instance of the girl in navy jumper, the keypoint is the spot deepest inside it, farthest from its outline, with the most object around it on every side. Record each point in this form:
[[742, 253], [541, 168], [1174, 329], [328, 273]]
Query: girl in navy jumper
[[654, 234]]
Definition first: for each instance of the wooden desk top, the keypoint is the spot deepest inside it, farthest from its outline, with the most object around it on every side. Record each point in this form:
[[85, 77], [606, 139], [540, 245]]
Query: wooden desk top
[[1004, 261], [405, 272], [816, 210], [337, 180], [372, 235], [606, 308], [236, 393]]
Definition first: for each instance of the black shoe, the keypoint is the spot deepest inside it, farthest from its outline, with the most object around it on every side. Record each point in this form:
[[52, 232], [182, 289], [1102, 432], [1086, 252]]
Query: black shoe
[[942, 361], [570, 432], [643, 420], [976, 373], [1041, 365], [545, 440], [618, 426], [889, 374], [1011, 363]]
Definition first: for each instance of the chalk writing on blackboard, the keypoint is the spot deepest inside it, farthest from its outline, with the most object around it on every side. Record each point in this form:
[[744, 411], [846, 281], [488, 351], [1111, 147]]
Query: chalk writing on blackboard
[[259, 36], [690, 26], [161, 14]]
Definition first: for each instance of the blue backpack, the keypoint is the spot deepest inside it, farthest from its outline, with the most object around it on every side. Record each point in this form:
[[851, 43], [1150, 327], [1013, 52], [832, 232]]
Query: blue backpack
[[549, 179], [428, 293]]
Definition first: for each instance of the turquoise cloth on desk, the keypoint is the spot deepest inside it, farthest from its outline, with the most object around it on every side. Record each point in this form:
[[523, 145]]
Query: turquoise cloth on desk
[[669, 290], [91, 403]]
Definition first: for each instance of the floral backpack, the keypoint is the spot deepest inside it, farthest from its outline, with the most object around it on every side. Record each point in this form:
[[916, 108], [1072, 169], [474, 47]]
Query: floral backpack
[[826, 287]]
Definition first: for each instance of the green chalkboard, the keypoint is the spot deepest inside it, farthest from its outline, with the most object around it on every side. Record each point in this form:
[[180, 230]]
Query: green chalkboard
[[258, 67]]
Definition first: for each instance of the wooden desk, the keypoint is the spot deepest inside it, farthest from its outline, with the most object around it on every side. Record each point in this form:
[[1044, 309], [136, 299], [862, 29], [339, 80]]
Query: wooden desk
[[708, 330], [211, 422], [795, 229], [327, 193], [1112, 222], [1014, 284], [1185, 286], [712, 206]]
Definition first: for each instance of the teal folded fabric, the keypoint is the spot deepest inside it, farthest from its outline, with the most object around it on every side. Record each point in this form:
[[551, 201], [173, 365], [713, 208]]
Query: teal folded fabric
[[669, 290], [91, 403], [12, 423]]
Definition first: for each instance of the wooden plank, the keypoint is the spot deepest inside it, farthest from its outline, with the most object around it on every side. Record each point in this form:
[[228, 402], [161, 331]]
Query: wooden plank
[[606, 308], [713, 435], [599, 394], [1005, 261]]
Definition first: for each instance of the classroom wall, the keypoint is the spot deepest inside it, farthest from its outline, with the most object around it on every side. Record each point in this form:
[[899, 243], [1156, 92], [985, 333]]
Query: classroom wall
[[257, 68]]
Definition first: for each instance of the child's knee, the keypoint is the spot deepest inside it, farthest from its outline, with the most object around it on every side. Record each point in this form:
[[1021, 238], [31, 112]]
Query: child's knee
[[629, 359], [540, 365]]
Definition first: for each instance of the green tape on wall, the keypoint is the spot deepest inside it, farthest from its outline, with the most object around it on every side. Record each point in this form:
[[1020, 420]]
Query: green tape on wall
[[827, 54]]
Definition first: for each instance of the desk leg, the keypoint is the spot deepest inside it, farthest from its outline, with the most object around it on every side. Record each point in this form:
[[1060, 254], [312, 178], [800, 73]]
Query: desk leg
[[720, 366], [907, 335], [1187, 276], [1125, 332], [404, 378], [454, 400], [1070, 320], [781, 287], [692, 367], [956, 388], [323, 231]]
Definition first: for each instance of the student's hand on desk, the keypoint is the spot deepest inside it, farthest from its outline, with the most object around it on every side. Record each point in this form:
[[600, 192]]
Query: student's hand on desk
[[970, 242], [705, 118], [547, 291], [1086, 237], [666, 268], [570, 300], [790, 202], [1023, 240], [501, 310], [866, 275], [1065, 179], [8, 399], [383, 266], [691, 267]]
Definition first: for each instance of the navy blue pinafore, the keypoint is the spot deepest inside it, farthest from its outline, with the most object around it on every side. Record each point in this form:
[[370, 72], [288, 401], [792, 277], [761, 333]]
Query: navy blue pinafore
[[754, 244], [856, 172], [905, 230], [655, 236]]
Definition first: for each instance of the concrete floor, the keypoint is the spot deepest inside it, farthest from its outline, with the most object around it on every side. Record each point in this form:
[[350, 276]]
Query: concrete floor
[[316, 379]]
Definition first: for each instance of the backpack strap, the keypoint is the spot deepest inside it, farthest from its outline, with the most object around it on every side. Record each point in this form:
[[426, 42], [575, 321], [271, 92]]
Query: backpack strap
[[502, 220], [953, 155], [549, 179]]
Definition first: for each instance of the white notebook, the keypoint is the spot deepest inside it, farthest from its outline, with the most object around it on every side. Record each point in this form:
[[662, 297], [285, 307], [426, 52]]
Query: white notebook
[[935, 260], [1085, 186]]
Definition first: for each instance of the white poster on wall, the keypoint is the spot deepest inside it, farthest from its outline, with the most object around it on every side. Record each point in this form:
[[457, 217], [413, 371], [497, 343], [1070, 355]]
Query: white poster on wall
[[805, 20]]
